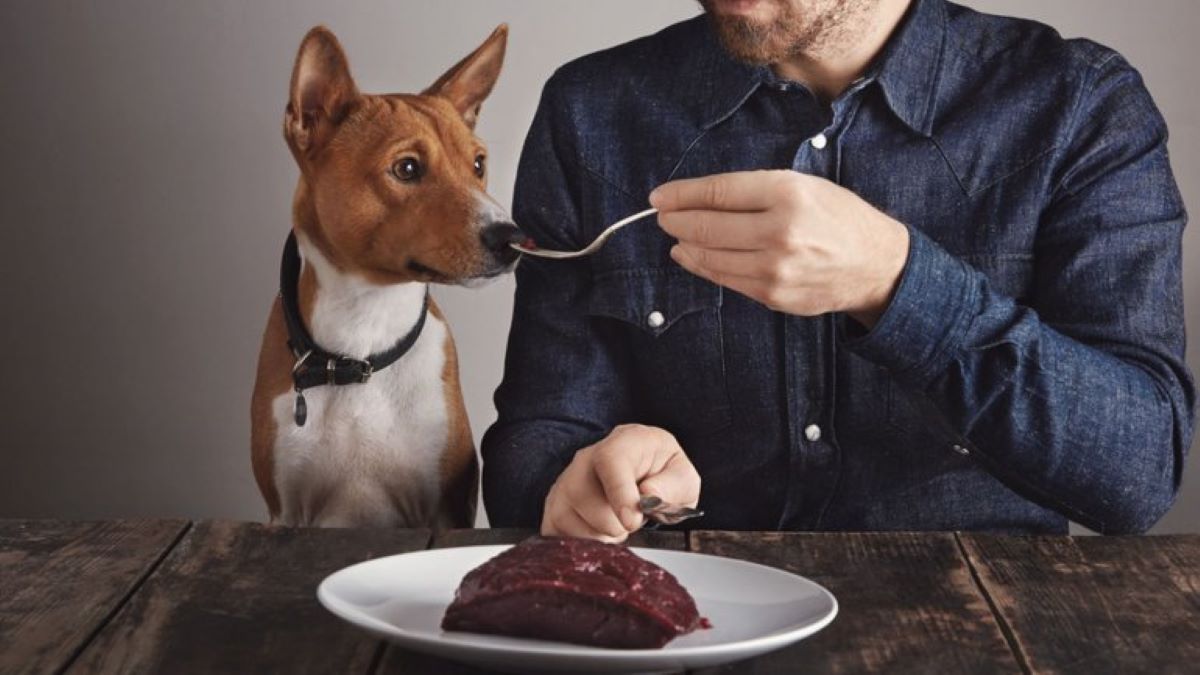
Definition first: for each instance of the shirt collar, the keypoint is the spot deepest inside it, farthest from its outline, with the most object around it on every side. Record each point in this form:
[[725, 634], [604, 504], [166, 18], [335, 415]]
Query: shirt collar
[[907, 70], [727, 82], [911, 63]]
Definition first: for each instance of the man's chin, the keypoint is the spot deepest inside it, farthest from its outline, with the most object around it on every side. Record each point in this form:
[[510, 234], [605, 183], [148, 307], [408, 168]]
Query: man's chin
[[758, 32], [744, 40]]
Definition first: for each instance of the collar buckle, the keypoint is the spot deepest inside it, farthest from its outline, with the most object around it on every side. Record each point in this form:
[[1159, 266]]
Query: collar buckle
[[306, 372], [366, 369], [300, 359]]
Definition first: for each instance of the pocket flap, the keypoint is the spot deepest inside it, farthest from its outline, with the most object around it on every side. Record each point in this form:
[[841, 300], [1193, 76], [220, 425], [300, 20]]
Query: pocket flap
[[652, 298]]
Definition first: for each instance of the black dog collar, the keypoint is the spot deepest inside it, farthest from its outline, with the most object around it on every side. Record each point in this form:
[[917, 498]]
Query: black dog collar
[[316, 366]]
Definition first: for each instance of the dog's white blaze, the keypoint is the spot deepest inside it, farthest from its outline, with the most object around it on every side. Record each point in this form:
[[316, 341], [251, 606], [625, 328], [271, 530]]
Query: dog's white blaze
[[370, 453], [488, 211]]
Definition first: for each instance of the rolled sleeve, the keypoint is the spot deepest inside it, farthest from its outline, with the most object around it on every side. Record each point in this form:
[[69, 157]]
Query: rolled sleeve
[[927, 319], [1077, 396]]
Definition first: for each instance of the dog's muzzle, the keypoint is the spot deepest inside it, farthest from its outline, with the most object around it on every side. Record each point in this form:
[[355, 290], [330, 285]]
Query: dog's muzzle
[[496, 238]]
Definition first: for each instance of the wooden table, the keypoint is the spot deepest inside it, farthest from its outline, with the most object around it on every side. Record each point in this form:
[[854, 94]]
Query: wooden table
[[171, 596]]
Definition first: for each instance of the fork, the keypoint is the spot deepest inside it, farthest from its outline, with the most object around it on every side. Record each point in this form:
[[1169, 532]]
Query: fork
[[666, 513], [586, 250]]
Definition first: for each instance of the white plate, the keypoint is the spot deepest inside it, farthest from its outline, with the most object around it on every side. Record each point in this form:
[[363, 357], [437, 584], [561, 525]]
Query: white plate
[[753, 609]]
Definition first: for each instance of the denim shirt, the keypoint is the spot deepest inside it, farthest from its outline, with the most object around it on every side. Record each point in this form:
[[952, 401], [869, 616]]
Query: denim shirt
[[1028, 371]]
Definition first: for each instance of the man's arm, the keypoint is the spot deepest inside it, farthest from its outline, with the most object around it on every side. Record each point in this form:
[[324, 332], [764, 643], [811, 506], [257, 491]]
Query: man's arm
[[563, 386], [1080, 401]]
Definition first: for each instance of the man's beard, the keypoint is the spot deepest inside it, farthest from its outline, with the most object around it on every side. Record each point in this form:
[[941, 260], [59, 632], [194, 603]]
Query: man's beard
[[791, 32]]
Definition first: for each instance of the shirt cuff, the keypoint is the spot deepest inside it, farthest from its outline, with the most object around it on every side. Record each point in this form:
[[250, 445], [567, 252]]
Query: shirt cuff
[[926, 322]]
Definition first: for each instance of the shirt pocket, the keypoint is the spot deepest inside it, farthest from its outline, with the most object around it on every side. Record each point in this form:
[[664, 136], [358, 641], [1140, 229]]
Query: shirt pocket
[[671, 322]]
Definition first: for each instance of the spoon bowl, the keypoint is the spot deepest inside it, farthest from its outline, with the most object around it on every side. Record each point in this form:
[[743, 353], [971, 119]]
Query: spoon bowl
[[591, 248]]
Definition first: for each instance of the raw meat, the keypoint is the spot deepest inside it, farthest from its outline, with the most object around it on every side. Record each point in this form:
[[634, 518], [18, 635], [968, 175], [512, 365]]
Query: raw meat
[[573, 590]]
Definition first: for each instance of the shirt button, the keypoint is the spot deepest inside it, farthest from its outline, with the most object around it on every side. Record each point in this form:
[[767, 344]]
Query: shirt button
[[961, 450], [655, 319], [812, 432], [819, 141]]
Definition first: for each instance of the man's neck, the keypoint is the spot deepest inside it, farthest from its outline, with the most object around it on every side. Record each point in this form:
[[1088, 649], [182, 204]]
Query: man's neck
[[833, 62]]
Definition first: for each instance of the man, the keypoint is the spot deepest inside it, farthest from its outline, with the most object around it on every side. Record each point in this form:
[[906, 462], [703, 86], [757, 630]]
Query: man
[[954, 304]]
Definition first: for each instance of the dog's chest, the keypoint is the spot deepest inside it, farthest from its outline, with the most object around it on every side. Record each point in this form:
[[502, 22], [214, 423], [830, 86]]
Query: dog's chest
[[368, 447]]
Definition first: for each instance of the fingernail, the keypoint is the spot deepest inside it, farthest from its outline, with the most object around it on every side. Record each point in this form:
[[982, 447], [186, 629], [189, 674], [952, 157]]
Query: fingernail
[[655, 196], [675, 253]]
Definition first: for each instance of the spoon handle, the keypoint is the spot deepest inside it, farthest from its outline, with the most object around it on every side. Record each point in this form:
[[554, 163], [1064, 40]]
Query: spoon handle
[[590, 248]]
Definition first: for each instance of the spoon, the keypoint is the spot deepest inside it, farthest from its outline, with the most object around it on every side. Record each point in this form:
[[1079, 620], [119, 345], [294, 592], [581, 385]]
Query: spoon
[[586, 250]]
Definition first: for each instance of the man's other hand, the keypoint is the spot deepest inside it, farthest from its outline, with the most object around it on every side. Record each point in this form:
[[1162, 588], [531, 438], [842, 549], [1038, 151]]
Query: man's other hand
[[596, 496], [796, 243]]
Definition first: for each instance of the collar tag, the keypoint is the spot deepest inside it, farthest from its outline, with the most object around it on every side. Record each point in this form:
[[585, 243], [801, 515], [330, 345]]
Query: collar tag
[[338, 369], [300, 410]]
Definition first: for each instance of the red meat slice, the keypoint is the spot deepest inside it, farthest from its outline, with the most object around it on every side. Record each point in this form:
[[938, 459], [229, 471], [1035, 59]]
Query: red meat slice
[[573, 590]]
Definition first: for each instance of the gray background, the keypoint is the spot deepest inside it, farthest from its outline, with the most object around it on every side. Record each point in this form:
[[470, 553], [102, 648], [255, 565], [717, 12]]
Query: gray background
[[145, 191]]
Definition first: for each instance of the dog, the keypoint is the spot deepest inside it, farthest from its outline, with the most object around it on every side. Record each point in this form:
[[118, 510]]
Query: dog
[[357, 416]]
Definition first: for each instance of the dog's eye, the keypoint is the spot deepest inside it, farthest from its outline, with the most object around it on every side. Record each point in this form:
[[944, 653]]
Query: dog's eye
[[480, 165], [407, 170]]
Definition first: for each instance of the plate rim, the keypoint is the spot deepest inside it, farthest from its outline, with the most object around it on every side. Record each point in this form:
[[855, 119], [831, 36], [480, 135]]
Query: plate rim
[[544, 649]]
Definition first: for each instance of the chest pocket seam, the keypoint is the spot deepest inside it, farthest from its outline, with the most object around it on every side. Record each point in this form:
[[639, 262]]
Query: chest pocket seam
[[983, 184], [632, 295]]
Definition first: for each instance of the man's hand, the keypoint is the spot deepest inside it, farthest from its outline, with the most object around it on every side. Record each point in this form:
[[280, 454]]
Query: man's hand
[[596, 496], [796, 243]]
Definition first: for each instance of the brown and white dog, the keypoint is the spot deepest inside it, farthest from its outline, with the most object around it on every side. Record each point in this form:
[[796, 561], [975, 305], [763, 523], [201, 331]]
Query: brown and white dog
[[391, 197]]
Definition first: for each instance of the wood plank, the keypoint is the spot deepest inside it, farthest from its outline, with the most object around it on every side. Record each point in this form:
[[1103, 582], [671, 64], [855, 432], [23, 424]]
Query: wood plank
[[1096, 604], [401, 661], [483, 536], [907, 603], [61, 580], [241, 597]]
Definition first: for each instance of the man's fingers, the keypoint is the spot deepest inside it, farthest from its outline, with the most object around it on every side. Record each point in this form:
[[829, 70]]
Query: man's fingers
[[612, 531], [758, 289], [618, 474], [599, 514], [677, 482], [566, 522], [695, 261], [735, 230], [739, 191], [750, 264]]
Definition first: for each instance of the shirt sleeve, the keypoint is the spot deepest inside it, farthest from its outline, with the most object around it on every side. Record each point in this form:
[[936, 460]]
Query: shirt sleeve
[[1080, 401], [564, 385]]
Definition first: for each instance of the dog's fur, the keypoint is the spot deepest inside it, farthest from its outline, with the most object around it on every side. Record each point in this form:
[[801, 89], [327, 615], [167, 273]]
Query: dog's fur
[[397, 450]]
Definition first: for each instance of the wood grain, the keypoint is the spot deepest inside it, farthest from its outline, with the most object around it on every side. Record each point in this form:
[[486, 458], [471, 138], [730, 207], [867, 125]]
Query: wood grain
[[241, 597], [907, 603], [401, 661], [61, 581], [1096, 604], [479, 537], [156, 596]]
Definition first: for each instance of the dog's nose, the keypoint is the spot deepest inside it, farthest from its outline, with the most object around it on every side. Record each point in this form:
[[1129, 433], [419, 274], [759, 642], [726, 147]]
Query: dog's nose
[[496, 238]]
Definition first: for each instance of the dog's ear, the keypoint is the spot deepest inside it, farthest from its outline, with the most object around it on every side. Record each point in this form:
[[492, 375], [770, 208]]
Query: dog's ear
[[321, 92], [471, 80]]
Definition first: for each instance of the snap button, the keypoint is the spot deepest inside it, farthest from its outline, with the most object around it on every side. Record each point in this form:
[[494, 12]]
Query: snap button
[[819, 141], [655, 319], [812, 432], [961, 450]]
